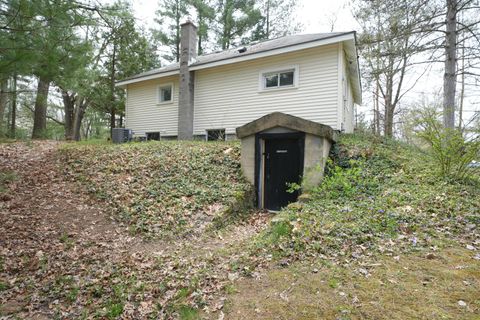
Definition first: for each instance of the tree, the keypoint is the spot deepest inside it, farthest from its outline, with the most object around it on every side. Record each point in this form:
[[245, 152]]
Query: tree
[[450, 74], [15, 55], [169, 17], [235, 20], [57, 47], [277, 18], [126, 51], [205, 15], [460, 40], [393, 34]]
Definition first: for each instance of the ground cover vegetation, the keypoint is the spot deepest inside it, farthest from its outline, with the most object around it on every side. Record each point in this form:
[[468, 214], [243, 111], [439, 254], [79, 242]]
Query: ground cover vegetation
[[377, 196], [163, 188], [75, 244]]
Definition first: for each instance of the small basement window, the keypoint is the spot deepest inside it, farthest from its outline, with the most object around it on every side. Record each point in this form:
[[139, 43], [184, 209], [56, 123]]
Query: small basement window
[[165, 93], [153, 136], [216, 135], [279, 79]]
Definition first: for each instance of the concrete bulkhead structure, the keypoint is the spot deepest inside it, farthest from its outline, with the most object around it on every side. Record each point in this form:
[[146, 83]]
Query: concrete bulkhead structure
[[295, 142]]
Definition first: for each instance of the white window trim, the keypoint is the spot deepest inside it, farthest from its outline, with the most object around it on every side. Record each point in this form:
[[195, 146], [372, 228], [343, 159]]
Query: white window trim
[[158, 93], [261, 82]]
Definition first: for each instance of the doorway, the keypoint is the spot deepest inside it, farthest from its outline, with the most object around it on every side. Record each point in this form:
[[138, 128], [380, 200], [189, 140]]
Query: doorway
[[281, 163]]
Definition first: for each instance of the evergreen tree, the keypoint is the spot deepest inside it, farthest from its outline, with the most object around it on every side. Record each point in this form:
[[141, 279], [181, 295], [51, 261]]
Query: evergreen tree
[[169, 17], [236, 20], [125, 51], [277, 19], [205, 14]]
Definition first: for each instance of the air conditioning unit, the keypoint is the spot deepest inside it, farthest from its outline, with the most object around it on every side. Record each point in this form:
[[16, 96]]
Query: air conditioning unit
[[121, 135]]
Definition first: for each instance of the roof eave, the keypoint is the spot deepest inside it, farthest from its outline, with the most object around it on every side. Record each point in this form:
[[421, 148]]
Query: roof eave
[[124, 83]]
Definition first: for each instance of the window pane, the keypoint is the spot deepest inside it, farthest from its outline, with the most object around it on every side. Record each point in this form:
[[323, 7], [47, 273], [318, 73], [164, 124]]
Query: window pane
[[271, 80], [166, 94], [286, 78]]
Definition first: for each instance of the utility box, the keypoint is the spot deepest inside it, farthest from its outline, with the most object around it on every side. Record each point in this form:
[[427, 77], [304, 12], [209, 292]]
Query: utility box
[[121, 135]]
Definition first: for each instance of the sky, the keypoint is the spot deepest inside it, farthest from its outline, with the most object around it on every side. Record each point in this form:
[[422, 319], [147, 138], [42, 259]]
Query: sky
[[314, 14]]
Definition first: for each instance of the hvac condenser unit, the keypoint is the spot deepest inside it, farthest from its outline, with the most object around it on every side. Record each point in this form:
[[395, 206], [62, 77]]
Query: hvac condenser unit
[[121, 135]]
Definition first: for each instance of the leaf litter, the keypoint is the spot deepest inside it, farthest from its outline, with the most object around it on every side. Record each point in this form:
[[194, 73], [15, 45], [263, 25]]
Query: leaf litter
[[66, 254]]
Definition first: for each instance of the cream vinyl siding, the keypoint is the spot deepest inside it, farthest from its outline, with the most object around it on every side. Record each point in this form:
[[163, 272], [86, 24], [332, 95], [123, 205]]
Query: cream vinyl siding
[[229, 96], [145, 114]]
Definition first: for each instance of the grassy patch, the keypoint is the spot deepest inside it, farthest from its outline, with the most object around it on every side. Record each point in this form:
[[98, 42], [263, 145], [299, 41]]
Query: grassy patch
[[6, 178], [162, 188], [413, 286]]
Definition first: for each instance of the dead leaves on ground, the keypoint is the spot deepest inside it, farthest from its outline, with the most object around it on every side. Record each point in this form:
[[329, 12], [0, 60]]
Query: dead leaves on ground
[[63, 256]]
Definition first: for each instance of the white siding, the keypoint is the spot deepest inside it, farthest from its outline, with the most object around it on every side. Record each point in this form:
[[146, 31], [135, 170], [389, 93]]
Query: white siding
[[229, 96], [144, 114]]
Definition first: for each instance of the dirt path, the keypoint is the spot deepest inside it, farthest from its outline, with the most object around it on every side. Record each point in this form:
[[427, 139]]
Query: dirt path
[[58, 248]]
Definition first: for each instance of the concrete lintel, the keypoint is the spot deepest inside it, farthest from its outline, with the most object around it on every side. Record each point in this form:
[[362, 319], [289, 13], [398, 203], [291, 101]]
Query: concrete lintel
[[279, 119]]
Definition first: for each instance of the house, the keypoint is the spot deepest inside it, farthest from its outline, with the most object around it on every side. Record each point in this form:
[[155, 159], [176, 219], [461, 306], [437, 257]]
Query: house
[[285, 98], [312, 76]]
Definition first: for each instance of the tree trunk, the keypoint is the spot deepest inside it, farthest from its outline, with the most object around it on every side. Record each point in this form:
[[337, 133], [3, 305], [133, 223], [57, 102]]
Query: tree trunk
[[200, 23], [112, 121], [14, 107], [462, 93], [112, 90], [388, 120], [69, 108], [450, 76], [268, 20], [40, 112], [377, 108], [79, 114], [389, 108], [3, 100]]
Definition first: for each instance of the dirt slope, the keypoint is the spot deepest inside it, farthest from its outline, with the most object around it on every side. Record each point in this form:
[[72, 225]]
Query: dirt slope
[[63, 256]]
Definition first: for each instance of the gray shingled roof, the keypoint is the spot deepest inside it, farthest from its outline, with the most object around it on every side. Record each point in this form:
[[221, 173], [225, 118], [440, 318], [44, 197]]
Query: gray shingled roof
[[252, 48]]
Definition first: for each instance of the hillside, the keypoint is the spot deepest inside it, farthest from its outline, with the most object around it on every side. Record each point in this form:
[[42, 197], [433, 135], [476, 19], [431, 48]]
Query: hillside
[[377, 197], [162, 189], [163, 230], [382, 237]]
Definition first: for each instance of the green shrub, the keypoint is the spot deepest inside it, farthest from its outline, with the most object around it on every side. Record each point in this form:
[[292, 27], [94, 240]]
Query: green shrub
[[341, 182], [451, 150]]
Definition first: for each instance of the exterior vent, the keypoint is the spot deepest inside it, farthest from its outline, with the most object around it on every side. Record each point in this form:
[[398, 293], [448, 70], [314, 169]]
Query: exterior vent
[[121, 135]]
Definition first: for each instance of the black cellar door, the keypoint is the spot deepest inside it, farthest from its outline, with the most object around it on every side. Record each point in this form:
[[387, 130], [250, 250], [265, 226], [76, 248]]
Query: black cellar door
[[283, 165]]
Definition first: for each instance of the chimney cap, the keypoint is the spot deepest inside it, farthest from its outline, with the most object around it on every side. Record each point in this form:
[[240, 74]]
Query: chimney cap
[[188, 21]]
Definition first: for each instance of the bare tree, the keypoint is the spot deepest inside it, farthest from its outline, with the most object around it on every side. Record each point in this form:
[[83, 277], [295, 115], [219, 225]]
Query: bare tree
[[450, 74], [394, 33]]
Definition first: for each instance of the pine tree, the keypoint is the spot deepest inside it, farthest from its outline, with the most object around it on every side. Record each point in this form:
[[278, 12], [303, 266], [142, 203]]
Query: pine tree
[[236, 20], [205, 14], [277, 19], [169, 17]]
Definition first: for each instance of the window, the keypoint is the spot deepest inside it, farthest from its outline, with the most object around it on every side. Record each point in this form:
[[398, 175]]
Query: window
[[279, 79], [216, 135], [153, 136], [165, 93]]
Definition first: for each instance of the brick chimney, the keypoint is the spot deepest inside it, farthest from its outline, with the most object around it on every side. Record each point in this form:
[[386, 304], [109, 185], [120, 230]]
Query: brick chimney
[[188, 52]]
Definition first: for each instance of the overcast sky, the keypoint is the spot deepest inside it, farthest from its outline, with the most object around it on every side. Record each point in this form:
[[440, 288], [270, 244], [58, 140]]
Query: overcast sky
[[314, 14]]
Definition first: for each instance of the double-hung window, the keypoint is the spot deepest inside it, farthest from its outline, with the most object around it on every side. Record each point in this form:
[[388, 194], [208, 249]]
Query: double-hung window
[[279, 79], [165, 93]]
